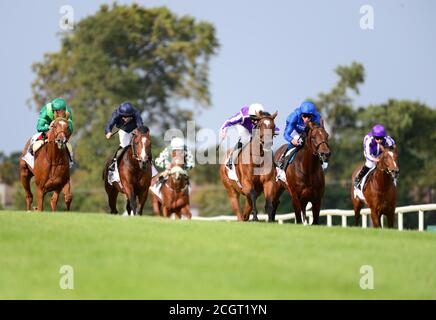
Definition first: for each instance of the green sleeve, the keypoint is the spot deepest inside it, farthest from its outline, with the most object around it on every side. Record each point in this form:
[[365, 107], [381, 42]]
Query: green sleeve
[[43, 123], [70, 119]]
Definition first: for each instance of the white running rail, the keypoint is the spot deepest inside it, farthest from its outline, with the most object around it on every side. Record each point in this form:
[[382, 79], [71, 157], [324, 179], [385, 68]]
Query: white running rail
[[421, 209]]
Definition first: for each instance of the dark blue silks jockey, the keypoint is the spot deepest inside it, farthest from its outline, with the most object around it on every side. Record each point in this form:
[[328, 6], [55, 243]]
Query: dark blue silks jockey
[[127, 119]]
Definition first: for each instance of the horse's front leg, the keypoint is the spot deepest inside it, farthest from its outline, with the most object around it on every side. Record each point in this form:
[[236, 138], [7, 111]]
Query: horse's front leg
[[68, 196], [131, 201], [316, 208], [142, 200], [54, 200], [270, 198], [375, 216], [40, 199], [186, 212], [253, 198]]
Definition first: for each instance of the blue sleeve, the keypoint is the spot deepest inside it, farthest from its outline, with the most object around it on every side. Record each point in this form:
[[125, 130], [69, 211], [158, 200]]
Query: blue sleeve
[[291, 121], [110, 124], [138, 120]]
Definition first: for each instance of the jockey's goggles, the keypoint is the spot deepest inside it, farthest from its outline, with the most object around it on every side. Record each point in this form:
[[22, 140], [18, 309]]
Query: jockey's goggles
[[307, 115]]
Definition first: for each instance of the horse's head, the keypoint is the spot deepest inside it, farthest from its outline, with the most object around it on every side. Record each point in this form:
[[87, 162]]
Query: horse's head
[[141, 146], [317, 140], [389, 161], [264, 129], [59, 132], [179, 178]]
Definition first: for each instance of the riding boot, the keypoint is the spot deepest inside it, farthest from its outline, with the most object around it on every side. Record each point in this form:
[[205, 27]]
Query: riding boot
[[284, 160], [115, 159], [360, 175], [234, 155]]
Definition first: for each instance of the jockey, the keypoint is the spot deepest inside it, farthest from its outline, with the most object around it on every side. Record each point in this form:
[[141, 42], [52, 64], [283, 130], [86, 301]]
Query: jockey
[[127, 119], [295, 126], [244, 121], [372, 151], [177, 148], [55, 109]]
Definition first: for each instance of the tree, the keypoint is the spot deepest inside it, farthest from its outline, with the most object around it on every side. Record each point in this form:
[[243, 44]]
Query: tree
[[340, 116], [9, 167], [149, 57]]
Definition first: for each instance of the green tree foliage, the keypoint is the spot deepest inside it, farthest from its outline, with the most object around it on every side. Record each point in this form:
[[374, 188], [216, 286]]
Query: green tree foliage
[[149, 57], [9, 167]]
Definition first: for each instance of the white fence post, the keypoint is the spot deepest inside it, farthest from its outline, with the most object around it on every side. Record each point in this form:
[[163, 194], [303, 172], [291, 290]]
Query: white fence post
[[421, 220], [364, 221], [329, 220], [400, 221], [344, 221]]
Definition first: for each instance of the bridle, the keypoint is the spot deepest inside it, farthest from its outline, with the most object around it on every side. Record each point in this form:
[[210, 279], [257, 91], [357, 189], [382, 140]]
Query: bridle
[[316, 151], [135, 154], [257, 127], [176, 190], [59, 142]]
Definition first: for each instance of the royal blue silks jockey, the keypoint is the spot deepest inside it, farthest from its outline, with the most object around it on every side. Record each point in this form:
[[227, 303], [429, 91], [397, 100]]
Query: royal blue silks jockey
[[127, 119], [244, 121], [372, 151], [296, 126]]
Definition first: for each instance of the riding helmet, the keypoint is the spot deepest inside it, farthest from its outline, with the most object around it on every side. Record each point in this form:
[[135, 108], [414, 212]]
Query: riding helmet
[[59, 104], [378, 131], [126, 109], [308, 107]]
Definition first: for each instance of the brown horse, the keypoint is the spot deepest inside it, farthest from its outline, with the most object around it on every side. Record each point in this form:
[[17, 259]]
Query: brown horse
[[379, 191], [175, 194], [305, 176], [51, 167], [134, 169], [255, 171]]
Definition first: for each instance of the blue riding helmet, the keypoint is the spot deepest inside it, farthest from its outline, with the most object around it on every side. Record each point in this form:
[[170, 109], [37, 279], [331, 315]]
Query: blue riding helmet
[[308, 107], [126, 109]]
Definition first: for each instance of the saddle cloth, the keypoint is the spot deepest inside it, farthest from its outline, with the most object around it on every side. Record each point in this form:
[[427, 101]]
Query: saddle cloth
[[358, 192], [114, 176]]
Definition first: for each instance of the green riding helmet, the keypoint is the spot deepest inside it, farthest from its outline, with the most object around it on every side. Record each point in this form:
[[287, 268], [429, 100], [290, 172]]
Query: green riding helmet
[[59, 104]]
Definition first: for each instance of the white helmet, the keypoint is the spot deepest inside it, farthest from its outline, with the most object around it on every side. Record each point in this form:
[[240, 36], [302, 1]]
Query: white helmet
[[255, 107], [177, 143]]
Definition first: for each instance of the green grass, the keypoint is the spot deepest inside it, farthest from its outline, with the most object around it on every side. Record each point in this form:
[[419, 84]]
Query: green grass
[[151, 258]]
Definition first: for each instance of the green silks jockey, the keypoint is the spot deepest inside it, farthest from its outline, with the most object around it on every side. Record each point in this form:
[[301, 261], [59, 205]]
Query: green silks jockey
[[55, 109]]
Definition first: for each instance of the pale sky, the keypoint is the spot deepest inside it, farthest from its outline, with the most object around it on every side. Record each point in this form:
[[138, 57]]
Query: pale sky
[[274, 52]]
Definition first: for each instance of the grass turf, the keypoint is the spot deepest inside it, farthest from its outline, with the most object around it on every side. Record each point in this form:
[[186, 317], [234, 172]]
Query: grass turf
[[151, 258]]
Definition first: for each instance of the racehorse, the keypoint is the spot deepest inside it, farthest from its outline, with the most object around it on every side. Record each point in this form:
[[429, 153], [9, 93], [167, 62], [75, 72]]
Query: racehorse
[[134, 169], [51, 167], [255, 170], [380, 192], [305, 175], [174, 194]]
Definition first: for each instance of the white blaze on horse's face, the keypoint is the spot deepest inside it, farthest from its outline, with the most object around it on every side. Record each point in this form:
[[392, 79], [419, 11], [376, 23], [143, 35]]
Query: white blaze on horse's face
[[392, 156], [142, 155], [267, 122]]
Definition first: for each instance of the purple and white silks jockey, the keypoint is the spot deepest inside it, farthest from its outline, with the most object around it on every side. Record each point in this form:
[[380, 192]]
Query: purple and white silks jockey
[[371, 149], [243, 124]]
